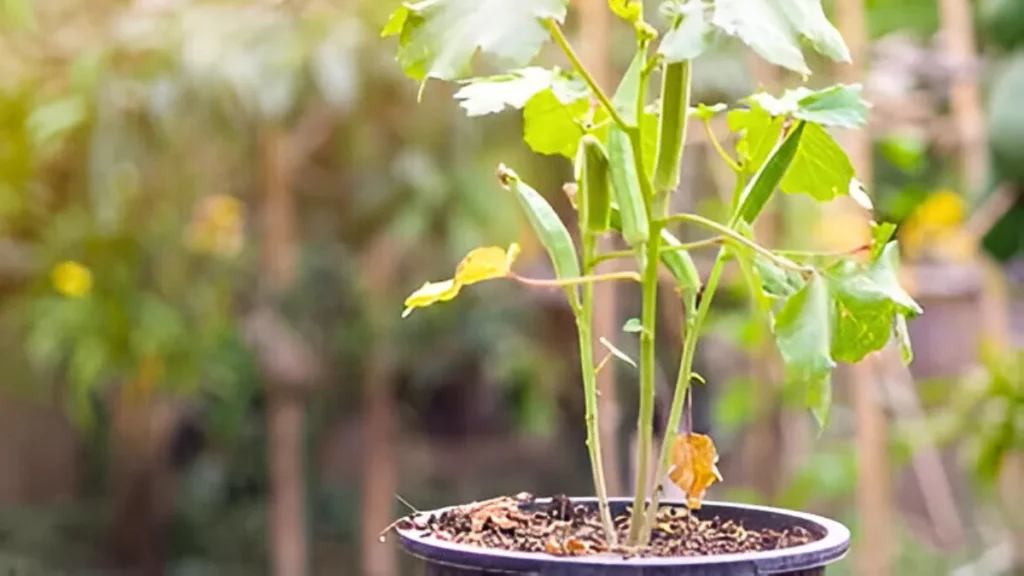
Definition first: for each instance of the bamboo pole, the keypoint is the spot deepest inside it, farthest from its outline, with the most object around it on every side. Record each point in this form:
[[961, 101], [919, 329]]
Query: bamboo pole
[[873, 501], [965, 101], [285, 411], [595, 27], [380, 469]]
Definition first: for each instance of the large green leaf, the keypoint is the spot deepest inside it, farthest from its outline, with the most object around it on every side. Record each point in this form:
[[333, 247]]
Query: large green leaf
[[821, 168], [762, 25], [774, 29], [760, 133], [809, 20], [869, 303], [690, 35], [492, 94], [552, 125], [438, 38], [803, 331], [840, 105]]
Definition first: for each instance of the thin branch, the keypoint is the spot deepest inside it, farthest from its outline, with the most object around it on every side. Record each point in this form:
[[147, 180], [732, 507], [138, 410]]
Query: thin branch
[[718, 147], [563, 42], [576, 281], [732, 235], [622, 254]]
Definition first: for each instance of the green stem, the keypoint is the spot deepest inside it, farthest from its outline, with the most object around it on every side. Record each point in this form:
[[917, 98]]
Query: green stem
[[577, 64], [694, 323], [622, 254], [733, 236], [718, 147], [585, 280], [645, 418], [585, 323]]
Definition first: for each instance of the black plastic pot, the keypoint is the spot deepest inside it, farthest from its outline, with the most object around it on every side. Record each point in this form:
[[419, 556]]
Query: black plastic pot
[[448, 559]]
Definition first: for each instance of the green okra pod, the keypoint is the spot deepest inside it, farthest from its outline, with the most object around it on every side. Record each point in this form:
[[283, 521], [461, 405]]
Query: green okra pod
[[675, 94], [594, 186], [626, 188], [549, 228]]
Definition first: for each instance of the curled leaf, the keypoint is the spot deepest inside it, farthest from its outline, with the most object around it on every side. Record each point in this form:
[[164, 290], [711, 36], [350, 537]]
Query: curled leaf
[[480, 264], [694, 466]]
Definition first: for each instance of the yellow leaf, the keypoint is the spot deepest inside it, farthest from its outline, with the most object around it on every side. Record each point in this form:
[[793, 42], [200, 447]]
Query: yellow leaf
[[430, 293], [71, 279], [694, 469], [480, 264], [485, 264]]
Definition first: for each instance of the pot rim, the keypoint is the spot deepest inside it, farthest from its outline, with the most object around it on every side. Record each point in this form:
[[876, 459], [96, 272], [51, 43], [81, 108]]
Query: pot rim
[[832, 547]]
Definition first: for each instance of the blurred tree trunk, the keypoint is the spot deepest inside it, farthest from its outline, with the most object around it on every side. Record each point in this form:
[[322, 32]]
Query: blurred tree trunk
[[143, 477], [285, 407], [380, 474], [873, 500]]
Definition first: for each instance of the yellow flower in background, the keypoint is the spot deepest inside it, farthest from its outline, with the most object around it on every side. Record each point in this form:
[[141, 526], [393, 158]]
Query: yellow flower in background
[[217, 226], [71, 279], [480, 264], [935, 228]]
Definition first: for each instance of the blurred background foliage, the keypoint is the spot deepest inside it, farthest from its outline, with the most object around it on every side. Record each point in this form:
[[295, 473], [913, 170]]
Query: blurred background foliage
[[131, 240]]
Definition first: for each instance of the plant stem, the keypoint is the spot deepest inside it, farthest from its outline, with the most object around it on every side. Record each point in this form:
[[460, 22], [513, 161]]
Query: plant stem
[[694, 323], [732, 235], [656, 208], [617, 254], [718, 147], [585, 323], [645, 418], [577, 64], [585, 280]]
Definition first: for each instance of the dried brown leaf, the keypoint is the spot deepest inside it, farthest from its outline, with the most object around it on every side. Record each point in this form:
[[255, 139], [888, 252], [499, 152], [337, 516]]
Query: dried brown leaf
[[694, 469]]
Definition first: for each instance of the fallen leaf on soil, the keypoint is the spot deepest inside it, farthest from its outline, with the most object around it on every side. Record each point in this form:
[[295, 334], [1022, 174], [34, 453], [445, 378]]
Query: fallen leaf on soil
[[694, 469]]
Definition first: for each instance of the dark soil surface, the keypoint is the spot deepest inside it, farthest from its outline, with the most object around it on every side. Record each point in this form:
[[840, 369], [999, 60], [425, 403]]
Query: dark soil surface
[[567, 529]]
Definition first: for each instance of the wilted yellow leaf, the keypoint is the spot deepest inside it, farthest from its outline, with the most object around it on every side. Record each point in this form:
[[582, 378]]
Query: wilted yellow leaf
[[480, 264], [485, 264], [694, 468]]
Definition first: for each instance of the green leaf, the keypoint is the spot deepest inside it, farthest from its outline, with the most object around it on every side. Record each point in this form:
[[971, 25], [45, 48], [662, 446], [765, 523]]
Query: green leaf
[[903, 338], [818, 397], [821, 168], [840, 105], [632, 326], [690, 35], [868, 304], [492, 94], [438, 38], [626, 97], [760, 134], [880, 236], [705, 112], [554, 126], [762, 25], [803, 331], [55, 118], [809, 20], [774, 29], [762, 185]]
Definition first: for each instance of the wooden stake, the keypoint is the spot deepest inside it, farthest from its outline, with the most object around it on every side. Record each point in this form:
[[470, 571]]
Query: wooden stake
[[873, 500], [285, 411], [595, 26], [380, 470], [965, 101]]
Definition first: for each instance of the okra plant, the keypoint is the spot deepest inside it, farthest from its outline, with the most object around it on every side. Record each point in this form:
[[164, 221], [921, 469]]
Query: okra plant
[[626, 149]]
